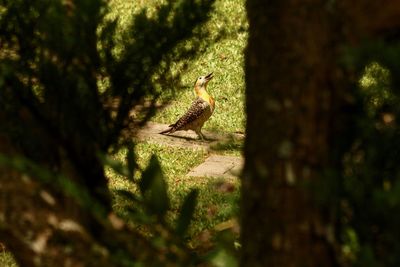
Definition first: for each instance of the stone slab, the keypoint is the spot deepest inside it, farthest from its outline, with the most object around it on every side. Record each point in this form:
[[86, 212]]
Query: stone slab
[[213, 166], [218, 166], [151, 132]]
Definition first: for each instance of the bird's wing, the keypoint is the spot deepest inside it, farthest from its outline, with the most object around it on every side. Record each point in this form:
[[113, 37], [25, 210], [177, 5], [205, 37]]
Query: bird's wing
[[197, 108]]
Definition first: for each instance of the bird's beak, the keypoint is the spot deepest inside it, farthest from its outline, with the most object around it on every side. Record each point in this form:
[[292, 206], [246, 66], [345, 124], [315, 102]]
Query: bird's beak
[[209, 77]]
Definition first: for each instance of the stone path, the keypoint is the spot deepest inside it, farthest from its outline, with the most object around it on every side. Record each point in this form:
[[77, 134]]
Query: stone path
[[213, 166], [218, 166]]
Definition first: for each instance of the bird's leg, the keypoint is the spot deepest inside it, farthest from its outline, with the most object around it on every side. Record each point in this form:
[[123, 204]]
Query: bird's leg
[[200, 135]]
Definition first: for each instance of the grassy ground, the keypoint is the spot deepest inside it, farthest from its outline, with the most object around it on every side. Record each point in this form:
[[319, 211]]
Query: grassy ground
[[225, 58], [222, 54], [216, 204]]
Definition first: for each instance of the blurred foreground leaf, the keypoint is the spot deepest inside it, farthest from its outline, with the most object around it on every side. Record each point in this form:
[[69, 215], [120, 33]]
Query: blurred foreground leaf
[[186, 212], [154, 188]]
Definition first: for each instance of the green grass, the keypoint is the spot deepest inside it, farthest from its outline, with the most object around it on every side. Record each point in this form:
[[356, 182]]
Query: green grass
[[230, 147], [225, 58], [215, 205], [221, 52]]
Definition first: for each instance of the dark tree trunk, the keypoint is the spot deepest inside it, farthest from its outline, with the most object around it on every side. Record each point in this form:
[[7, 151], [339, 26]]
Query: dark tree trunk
[[290, 79], [299, 122]]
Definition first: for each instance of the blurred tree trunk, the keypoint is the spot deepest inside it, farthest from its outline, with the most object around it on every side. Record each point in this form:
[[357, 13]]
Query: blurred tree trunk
[[290, 77], [299, 122]]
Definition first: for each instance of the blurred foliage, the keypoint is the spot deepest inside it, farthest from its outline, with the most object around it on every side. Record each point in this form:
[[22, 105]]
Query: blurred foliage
[[55, 52], [7, 260], [368, 192], [196, 223], [375, 87], [364, 192], [147, 209], [217, 198], [69, 78]]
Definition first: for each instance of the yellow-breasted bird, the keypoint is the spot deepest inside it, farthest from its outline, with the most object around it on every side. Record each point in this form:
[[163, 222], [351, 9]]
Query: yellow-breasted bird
[[199, 112]]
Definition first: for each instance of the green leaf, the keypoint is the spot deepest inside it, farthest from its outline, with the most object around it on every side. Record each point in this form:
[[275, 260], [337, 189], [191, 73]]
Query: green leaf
[[115, 165], [186, 213], [131, 162], [154, 188], [148, 175]]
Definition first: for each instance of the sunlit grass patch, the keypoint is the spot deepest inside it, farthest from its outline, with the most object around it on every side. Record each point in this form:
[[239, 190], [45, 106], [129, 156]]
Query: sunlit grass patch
[[215, 204], [221, 52], [223, 56]]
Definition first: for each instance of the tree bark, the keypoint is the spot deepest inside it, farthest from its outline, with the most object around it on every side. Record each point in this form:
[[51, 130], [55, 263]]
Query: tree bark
[[298, 121], [290, 98]]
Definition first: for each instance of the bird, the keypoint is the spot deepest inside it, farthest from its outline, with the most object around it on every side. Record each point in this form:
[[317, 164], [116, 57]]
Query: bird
[[199, 112]]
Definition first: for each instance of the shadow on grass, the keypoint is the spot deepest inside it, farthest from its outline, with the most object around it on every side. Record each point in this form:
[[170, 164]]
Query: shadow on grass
[[232, 145], [217, 206]]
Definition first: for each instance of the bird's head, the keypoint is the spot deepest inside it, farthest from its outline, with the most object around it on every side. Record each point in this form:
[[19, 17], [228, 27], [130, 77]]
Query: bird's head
[[203, 80]]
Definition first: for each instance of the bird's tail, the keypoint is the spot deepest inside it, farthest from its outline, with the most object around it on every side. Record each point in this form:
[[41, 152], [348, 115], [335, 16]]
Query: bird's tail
[[166, 131], [169, 130]]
